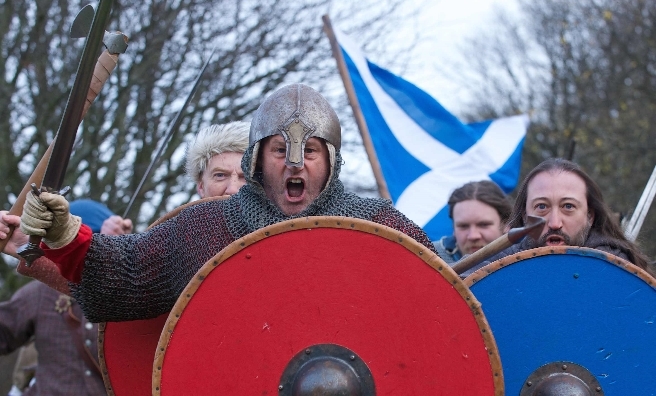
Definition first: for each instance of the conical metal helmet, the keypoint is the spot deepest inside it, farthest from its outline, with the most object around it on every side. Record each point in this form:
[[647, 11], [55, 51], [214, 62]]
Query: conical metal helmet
[[297, 112]]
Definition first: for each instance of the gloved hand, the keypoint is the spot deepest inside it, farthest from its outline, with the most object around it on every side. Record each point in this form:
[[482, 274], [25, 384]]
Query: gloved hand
[[48, 216]]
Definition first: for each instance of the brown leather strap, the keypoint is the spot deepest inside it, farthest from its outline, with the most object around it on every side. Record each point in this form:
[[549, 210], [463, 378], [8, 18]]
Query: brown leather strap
[[74, 324]]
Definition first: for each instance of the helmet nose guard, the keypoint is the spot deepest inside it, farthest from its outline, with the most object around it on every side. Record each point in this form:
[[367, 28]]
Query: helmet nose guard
[[297, 112]]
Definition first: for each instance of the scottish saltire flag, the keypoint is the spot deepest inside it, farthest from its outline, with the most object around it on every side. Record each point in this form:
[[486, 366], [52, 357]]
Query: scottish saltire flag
[[424, 151]]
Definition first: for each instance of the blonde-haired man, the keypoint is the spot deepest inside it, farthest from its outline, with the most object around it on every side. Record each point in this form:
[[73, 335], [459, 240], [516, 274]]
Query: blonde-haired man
[[214, 158]]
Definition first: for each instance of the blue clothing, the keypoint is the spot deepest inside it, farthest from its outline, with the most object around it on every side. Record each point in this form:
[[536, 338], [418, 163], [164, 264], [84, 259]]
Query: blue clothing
[[447, 249], [93, 213]]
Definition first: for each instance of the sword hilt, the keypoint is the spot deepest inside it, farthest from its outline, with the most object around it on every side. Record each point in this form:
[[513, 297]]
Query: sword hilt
[[32, 250]]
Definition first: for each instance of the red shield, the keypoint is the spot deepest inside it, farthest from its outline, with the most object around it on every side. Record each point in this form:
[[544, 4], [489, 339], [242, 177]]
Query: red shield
[[326, 282]]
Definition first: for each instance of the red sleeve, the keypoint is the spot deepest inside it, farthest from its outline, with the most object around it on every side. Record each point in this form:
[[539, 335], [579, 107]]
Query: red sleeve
[[70, 258]]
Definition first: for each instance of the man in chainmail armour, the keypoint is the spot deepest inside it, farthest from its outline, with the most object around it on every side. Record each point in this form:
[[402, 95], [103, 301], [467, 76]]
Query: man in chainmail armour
[[292, 170]]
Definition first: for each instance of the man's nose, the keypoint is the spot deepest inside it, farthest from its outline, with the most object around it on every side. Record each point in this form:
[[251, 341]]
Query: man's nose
[[554, 221], [233, 185], [296, 168], [474, 233]]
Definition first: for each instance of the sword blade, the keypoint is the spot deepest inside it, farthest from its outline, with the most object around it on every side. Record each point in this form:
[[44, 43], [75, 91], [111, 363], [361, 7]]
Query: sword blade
[[61, 152], [640, 212]]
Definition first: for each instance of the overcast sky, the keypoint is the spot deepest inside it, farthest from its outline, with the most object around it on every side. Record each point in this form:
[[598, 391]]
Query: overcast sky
[[446, 24]]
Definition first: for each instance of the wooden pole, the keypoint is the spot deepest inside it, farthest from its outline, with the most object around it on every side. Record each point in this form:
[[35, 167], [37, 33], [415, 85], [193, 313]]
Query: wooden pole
[[532, 228], [357, 111]]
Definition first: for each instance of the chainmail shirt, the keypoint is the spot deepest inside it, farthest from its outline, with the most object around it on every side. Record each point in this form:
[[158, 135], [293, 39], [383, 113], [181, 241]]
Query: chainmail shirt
[[140, 276]]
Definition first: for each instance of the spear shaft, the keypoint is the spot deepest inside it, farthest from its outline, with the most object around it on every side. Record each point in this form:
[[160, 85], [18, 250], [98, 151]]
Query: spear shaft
[[533, 228]]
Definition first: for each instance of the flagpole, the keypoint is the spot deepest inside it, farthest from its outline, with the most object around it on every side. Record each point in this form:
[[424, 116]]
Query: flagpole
[[357, 111]]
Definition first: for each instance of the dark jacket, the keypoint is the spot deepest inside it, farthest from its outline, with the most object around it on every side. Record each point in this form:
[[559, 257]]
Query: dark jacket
[[31, 313]]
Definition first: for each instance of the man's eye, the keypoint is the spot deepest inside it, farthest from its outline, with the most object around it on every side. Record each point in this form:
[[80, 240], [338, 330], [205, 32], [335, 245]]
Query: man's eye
[[569, 206], [541, 206], [220, 175], [280, 150]]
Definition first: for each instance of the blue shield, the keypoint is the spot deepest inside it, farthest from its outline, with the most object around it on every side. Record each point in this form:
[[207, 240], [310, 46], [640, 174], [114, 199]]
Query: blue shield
[[574, 305]]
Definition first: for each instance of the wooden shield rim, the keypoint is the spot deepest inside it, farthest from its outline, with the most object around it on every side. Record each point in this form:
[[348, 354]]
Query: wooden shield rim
[[101, 326], [314, 222], [504, 262]]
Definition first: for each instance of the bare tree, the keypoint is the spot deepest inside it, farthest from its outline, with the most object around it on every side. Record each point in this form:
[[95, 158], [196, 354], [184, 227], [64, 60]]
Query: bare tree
[[586, 72], [260, 45]]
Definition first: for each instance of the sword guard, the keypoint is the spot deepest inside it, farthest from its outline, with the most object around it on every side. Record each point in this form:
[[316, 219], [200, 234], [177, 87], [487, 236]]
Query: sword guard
[[31, 250], [37, 191]]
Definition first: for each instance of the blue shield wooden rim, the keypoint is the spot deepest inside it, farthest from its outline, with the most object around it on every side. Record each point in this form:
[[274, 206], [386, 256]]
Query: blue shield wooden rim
[[571, 304]]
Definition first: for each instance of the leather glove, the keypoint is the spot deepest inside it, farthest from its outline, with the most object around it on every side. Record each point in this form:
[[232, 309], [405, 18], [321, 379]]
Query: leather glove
[[48, 216]]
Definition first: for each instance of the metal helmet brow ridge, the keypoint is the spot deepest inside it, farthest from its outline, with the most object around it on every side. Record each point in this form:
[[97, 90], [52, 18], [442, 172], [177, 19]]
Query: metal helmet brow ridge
[[297, 112]]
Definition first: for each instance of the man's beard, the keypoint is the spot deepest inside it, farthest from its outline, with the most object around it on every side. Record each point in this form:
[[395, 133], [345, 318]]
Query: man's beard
[[576, 240]]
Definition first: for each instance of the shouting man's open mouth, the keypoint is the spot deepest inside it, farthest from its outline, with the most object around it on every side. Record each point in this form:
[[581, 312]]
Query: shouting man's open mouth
[[295, 188]]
